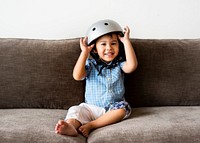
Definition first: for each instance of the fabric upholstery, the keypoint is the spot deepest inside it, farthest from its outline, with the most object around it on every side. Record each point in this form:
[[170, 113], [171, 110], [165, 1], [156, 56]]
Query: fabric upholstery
[[168, 73], [147, 124], [33, 125], [38, 73], [36, 88], [153, 125]]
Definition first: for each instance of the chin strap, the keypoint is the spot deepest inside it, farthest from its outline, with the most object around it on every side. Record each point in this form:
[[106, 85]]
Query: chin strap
[[110, 65]]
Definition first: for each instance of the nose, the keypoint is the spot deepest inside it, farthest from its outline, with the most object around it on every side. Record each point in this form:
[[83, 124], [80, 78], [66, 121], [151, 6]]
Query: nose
[[108, 47]]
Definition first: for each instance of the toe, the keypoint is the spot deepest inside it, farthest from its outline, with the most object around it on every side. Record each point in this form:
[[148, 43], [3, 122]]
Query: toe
[[57, 127], [61, 122]]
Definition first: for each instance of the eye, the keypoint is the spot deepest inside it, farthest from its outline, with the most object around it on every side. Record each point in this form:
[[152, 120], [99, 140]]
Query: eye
[[114, 43], [103, 44]]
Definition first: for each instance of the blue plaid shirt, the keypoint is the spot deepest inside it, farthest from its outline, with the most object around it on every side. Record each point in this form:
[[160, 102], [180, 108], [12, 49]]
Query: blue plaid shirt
[[105, 89]]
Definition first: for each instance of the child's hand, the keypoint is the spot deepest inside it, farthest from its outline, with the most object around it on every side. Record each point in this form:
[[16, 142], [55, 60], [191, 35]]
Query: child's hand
[[84, 47], [126, 35]]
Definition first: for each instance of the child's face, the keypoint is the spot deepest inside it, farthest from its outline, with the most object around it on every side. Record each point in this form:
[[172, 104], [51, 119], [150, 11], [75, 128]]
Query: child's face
[[107, 47]]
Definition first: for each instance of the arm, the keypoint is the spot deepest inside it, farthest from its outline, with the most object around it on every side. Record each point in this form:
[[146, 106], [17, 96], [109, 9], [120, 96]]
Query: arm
[[79, 71], [131, 61]]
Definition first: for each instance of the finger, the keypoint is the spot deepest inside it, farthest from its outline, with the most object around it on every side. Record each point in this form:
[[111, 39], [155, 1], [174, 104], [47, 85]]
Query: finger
[[81, 40], [120, 37], [91, 46], [126, 29], [85, 40]]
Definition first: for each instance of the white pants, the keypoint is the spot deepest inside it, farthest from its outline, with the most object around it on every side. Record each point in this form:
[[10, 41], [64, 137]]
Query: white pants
[[85, 113]]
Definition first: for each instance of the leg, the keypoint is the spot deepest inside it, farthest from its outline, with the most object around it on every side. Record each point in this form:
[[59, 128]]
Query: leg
[[68, 127], [110, 117], [76, 116]]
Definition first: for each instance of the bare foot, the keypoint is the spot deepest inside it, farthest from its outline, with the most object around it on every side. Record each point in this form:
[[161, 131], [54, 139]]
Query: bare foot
[[65, 128], [85, 129]]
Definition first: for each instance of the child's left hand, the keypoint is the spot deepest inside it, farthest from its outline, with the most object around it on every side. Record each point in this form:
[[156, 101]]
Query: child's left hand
[[126, 35]]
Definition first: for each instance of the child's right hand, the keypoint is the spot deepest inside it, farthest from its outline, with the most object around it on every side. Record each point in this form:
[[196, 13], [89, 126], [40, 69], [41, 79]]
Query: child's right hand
[[84, 47]]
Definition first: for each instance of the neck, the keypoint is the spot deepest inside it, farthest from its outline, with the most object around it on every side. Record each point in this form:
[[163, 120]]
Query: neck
[[105, 62]]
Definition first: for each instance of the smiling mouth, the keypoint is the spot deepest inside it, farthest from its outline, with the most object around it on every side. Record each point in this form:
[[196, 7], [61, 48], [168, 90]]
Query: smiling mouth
[[109, 54]]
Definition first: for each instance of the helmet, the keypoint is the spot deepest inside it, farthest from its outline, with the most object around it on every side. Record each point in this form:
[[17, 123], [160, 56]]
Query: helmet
[[101, 28]]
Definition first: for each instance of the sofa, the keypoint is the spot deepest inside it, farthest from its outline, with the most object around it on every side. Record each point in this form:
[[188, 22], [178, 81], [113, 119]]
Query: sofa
[[37, 88]]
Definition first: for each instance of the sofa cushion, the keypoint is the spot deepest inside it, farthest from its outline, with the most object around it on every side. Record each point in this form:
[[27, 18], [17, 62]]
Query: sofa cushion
[[153, 125], [33, 125], [168, 73], [38, 73]]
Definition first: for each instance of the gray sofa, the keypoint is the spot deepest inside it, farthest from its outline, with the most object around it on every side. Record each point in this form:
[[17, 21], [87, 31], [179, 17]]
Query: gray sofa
[[37, 88]]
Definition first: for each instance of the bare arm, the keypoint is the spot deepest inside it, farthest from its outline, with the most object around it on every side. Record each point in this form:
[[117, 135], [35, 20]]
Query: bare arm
[[79, 70], [131, 61]]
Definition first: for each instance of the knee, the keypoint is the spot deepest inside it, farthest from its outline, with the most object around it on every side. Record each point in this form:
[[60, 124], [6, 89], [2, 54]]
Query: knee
[[122, 112], [79, 111], [74, 108]]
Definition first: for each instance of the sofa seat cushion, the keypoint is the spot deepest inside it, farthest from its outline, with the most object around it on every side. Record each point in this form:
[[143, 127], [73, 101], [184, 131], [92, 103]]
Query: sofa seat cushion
[[153, 125], [33, 125]]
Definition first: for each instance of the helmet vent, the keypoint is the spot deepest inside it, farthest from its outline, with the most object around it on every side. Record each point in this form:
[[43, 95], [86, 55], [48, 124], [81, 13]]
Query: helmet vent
[[106, 23], [93, 29]]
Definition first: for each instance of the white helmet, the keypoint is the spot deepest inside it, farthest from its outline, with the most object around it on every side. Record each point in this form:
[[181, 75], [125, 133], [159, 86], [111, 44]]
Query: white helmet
[[101, 28]]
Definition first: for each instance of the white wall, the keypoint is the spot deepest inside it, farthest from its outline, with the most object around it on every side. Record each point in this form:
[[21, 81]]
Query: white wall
[[63, 19]]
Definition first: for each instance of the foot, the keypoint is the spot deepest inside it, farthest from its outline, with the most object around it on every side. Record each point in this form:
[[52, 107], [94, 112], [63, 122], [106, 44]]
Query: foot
[[65, 128], [85, 129]]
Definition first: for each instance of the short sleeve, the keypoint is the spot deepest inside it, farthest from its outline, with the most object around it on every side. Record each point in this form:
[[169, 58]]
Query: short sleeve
[[121, 64], [88, 67]]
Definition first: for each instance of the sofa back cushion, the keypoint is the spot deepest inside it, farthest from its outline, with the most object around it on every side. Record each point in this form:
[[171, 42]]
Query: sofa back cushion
[[168, 73], [38, 73]]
